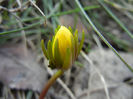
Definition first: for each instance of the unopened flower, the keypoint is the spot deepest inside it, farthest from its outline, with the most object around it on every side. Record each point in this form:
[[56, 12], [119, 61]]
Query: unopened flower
[[63, 49]]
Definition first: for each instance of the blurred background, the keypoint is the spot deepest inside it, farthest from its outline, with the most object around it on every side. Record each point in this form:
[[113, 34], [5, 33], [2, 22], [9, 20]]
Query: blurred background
[[97, 73]]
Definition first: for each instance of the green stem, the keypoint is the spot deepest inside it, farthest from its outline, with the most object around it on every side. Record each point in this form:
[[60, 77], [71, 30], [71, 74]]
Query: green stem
[[50, 82]]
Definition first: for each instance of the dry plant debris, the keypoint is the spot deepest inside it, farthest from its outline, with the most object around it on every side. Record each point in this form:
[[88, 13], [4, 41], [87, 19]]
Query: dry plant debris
[[19, 69], [88, 81]]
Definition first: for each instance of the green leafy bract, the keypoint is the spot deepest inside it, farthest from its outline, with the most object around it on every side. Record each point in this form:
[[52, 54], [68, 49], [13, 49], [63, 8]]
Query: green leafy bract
[[76, 42], [57, 29], [81, 43], [57, 57], [68, 59], [44, 49]]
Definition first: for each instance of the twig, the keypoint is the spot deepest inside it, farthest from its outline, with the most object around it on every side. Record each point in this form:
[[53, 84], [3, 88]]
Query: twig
[[19, 3], [10, 11], [20, 8], [39, 10]]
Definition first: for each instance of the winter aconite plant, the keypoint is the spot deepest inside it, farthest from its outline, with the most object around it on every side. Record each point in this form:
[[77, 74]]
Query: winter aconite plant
[[61, 52]]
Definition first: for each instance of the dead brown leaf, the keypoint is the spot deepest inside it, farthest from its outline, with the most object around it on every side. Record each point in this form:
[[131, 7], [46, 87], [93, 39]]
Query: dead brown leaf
[[19, 69]]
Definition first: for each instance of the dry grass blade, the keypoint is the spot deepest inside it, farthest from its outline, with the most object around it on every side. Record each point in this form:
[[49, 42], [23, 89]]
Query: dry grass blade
[[100, 75]]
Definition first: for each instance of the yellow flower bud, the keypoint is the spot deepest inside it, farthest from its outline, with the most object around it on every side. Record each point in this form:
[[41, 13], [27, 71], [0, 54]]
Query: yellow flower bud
[[63, 49], [64, 37]]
